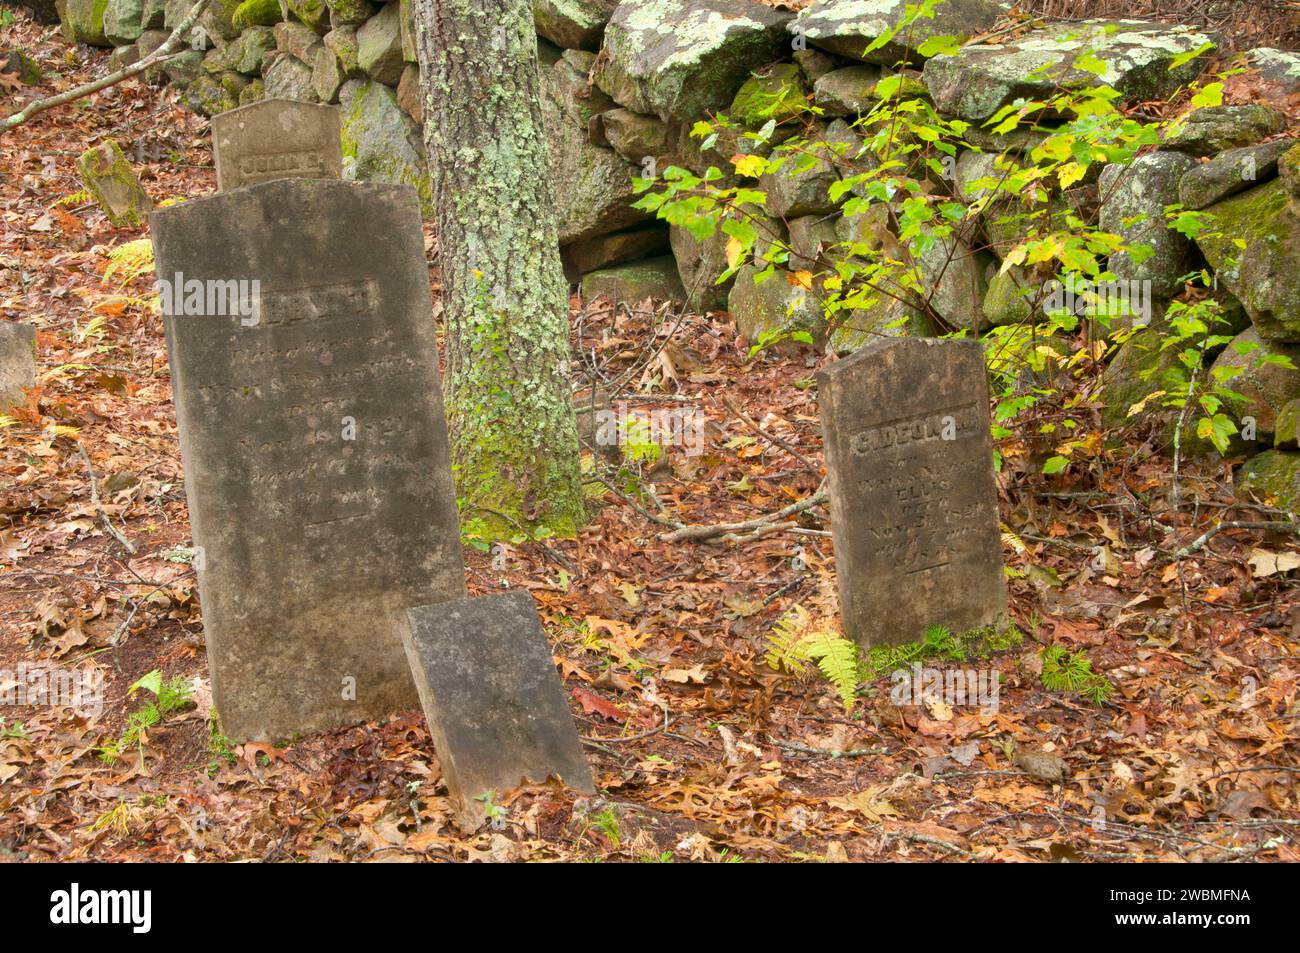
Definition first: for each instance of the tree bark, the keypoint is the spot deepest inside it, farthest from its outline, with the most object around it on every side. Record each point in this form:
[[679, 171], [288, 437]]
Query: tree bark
[[509, 405]]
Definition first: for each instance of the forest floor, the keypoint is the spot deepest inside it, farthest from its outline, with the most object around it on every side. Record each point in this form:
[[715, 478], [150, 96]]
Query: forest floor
[[701, 751]]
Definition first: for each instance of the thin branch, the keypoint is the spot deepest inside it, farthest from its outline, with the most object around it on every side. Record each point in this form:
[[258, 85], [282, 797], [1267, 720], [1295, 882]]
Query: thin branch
[[1199, 543], [112, 79], [755, 527]]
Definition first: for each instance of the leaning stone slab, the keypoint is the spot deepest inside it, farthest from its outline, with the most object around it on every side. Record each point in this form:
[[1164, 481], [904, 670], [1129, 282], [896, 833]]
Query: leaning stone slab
[[314, 444], [108, 176], [978, 80], [848, 27], [913, 506], [680, 59], [17, 362], [493, 700], [276, 139]]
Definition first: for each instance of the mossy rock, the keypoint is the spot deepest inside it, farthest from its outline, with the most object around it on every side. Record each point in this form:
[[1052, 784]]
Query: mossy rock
[[1008, 299], [700, 264], [1214, 129], [254, 92], [1136, 196], [1288, 170], [342, 42], [108, 176], [1286, 430], [207, 95], [350, 11], [773, 306], [1273, 477], [573, 24], [777, 94], [381, 143], [1265, 387], [287, 77], [1138, 368], [634, 136], [379, 46], [1263, 273], [246, 53], [848, 91], [298, 41], [636, 281], [256, 13], [123, 21], [848, 28], [83, 21], [1231, 172], [311, 13], [328, 75]]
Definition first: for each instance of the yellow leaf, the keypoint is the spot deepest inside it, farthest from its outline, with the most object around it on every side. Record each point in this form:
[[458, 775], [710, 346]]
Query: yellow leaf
[[800, 279], [751, 165], [733, 252]]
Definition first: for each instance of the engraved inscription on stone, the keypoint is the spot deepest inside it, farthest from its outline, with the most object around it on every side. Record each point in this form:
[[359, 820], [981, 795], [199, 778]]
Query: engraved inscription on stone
[[913, 503], [315, 448], [276, 139]]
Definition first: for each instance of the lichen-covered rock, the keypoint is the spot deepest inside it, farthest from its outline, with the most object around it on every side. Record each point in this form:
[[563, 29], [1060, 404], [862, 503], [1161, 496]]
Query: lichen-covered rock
[[183, 67], [108, 176], [594, 193], [953, 282], [327, 75], [313, 14], [885, 317], [287, 77], [379, 46], [1133, 205], [1276, 73], [297, 41], [777, 94], [1230, 172], [83, 21], [253, 92], [573, 24], [1009, 298], [207, 95], [410, 95], [353, 12], [847, 91], [800, 183], [245, 53], [1263, 273], [1018, 141], [123, 21], [762, 308], [572, 90], [120, 58], [1286, 429], [1273, 478], [647, 241], [978, 80], [1265, 386], [1288, 170], [343, 44], [700, 264], [631, 283], [848, 27], [810, 237], [17, 63], [381, 143], [680, 59], [1212, 129], [1138, 368], [634, 136]]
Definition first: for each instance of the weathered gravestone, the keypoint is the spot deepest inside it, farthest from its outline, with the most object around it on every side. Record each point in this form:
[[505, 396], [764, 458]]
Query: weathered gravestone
[[276, 139], [17, 362], [913, 504], [314, 443], [494, 703]]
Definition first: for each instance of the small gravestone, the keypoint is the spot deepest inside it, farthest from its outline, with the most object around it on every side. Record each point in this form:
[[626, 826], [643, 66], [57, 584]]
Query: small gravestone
[[109, 177], [314, 444], [276, 139], [493, 700], [17, 363], [913, 504]]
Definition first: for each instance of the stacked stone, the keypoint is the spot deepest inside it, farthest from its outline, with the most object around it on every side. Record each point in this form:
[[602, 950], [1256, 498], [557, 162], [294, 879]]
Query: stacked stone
[[624, 84]]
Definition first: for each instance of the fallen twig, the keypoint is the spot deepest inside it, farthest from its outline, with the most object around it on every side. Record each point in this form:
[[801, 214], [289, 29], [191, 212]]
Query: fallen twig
[[103, 514], [112, 79], [752, 529]]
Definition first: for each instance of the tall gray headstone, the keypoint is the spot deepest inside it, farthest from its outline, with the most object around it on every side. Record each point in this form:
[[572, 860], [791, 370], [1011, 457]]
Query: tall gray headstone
[[314, 444], [914, 510], [17, 362], [276, 139], [493, 700]]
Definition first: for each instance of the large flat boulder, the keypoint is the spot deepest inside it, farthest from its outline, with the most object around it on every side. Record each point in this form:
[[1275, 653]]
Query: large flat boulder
[[681, 59], [848, 27], [978, 80]]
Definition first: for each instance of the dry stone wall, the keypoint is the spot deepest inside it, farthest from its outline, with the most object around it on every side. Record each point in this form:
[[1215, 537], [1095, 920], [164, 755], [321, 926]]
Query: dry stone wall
[[625, 82]]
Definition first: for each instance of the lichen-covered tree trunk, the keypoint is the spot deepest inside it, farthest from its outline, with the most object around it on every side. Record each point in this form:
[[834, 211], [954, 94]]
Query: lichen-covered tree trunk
[[513, 431]]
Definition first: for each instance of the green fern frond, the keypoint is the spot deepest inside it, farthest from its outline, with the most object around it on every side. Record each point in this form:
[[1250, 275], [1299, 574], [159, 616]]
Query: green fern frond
[[80, 197], [785, 651], [129, 261], [837, 658]]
